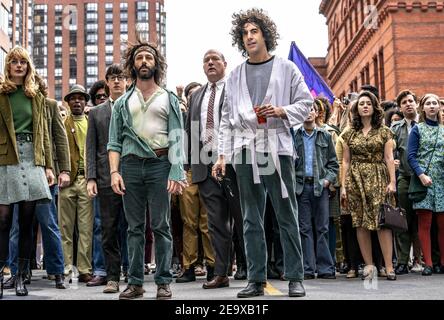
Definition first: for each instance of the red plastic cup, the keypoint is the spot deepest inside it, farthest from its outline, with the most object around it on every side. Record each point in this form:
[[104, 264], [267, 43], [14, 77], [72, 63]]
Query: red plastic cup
[[260, 120]]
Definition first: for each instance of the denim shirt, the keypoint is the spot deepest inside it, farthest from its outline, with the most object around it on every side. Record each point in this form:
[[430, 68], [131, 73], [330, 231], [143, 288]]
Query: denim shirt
[[309, 144], [124, 140], [325, 164]]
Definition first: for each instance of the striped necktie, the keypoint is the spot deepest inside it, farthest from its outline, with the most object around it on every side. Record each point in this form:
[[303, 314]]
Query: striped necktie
[[209, 128]]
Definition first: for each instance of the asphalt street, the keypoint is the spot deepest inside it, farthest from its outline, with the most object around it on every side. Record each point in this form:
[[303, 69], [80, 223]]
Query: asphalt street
[[407, 287]]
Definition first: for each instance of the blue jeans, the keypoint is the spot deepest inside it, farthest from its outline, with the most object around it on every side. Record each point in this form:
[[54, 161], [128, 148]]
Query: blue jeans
[[46, 215], [316, 256], [98, 262]]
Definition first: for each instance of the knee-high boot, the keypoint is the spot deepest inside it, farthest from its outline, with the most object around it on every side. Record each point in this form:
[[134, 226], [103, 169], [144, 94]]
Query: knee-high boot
[[20, 287], [2, 267]]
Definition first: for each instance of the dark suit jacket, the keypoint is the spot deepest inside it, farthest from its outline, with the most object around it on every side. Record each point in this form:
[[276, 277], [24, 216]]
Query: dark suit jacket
[[199, 170], [97, 164], [57, 135]]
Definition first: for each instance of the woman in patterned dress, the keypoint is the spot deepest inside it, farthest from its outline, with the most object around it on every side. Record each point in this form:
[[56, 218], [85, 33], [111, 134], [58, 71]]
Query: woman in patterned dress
[[25, 157], [426, 158], [369, 178]]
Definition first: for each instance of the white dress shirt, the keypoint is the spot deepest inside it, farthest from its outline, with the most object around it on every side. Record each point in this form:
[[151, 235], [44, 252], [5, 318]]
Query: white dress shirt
[[204, 111]]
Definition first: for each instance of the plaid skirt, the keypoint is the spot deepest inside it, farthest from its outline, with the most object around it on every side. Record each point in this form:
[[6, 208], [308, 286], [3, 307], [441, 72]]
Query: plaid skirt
[[24, 181]]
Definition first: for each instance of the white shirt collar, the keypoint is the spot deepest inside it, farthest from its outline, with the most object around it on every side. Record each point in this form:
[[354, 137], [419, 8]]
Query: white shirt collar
[[219, 84]]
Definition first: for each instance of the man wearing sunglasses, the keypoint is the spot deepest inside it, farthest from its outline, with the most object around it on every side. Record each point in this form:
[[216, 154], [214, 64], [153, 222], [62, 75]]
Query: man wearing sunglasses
[[98, 95]]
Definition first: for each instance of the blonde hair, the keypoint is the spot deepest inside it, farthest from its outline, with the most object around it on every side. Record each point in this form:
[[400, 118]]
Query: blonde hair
[[30, 87], [423, 100]]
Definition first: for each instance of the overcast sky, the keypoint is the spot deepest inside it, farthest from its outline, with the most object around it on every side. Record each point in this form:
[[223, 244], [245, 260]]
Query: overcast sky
[[194, 26]]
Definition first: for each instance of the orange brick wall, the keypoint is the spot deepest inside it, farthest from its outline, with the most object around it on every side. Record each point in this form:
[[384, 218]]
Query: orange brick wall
[[419, 42], [410, 35]]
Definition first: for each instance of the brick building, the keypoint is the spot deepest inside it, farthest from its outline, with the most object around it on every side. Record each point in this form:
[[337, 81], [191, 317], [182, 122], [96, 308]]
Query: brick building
[[393, 45], [15, 26], [75, 41]]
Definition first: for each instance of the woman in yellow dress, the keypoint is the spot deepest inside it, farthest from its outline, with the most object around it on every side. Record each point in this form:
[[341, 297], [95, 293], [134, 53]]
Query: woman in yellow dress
[[369, 178]]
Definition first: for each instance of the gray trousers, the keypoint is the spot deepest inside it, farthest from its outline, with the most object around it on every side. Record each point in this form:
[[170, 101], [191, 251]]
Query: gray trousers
[[253, 199], [404, 240]]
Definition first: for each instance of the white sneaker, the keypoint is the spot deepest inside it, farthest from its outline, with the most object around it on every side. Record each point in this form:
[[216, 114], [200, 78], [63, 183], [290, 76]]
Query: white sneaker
[[417, 268]]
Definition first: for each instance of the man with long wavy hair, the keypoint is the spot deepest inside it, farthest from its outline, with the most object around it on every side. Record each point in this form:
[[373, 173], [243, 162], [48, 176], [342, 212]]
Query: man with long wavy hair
[[266, 96], [146, 133]]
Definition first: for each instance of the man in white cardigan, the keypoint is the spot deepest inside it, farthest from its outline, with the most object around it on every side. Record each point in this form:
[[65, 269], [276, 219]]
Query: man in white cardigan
[[266, 96]]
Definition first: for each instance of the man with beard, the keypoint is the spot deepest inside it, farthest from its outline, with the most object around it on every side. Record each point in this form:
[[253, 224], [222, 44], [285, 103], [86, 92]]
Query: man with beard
[[74, 203], [146, 133]]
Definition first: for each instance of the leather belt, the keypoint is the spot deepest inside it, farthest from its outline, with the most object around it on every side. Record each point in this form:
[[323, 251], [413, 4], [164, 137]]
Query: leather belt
[[24, 137], [161, 152], [308, 179]]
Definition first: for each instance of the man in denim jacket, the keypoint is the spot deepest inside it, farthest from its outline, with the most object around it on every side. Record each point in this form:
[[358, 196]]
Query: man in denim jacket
[[316, 168]]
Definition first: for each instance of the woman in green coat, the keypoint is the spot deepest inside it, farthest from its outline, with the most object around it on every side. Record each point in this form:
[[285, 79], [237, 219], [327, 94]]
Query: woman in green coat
[[25, 157]]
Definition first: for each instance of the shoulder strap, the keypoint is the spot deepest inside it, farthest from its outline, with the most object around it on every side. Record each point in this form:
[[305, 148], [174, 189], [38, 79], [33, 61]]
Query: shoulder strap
[[433, 152]]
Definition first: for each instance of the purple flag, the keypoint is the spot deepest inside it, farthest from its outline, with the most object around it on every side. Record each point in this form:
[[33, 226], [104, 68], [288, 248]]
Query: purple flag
[[314, 81]]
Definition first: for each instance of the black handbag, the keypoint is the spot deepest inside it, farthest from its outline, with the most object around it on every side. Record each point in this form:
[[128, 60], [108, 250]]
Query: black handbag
[[392, 217], [417, 191]]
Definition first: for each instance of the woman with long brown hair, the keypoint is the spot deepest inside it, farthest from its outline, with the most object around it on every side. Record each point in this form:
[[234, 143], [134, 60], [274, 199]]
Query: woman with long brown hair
[[25, 157], [369, 178]]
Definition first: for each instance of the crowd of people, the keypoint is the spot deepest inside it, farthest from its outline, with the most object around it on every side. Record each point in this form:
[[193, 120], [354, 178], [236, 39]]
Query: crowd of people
[[246, 173]]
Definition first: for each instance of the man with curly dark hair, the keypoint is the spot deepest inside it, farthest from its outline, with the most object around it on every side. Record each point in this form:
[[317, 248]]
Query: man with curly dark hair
[[145, 135], [266, 96]]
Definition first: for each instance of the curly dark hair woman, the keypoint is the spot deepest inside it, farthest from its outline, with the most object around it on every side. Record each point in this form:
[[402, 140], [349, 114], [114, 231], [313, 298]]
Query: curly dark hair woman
[[368, 179], [377, 116], [101, 84], [260, 19], [130, 54]]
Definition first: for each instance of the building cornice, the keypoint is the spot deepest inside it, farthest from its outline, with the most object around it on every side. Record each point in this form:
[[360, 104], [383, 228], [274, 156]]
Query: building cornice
[[410, 5], [358, 43]]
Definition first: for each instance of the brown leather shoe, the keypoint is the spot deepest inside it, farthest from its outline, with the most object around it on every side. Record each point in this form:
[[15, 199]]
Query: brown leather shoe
[[217, 282], [85, 277], [163, 291], [132, 292], [97, 281], [111, 287]]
